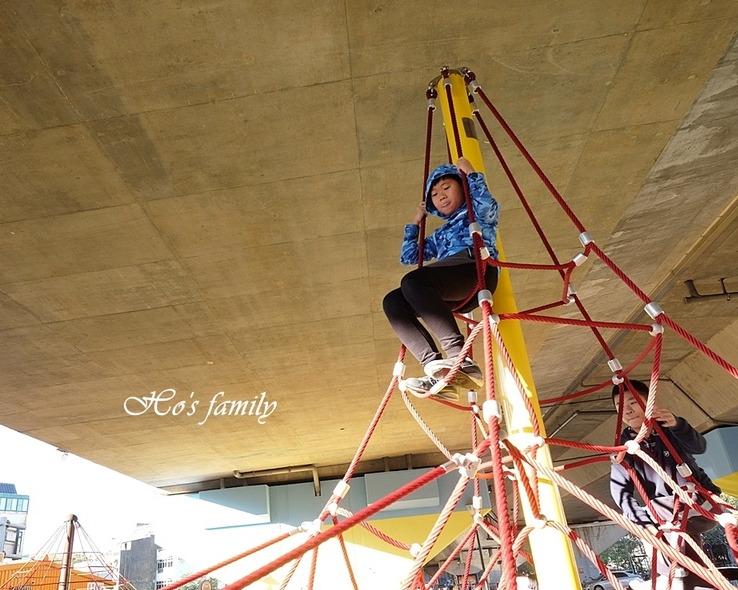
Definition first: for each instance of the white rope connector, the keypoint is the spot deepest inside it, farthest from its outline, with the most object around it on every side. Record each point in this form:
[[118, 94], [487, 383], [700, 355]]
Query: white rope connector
[[484, 295], [472, 397], [631, 446], [539, 523], [614, 458], [447, 82], [474, 85], [312, 527], [415, 549], [468, 464], [614, 365], [491, 409], [484, 252], [571, 291], [653, 310], [478, 518], [475, 228], [727, 518], [431, 104], [399, 369], [617, 379], [341, 489], [477, 502], [656, 329], [332, 508], [684, 470], [585, 238], [494, 319], [579, 259], [537, 441]]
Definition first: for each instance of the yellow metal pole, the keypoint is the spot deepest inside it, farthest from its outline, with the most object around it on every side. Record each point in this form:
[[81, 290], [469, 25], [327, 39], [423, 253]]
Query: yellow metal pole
[[552, 552]]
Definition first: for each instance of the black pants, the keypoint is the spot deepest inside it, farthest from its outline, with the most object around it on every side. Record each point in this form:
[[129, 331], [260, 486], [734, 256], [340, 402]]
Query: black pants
[[431, 293]]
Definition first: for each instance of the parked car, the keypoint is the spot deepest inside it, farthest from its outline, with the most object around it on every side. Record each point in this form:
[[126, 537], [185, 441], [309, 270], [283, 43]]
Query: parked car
[[625, 578]]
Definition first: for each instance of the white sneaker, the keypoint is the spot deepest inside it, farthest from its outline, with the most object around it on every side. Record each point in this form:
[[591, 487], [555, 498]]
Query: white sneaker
[[468, 376]]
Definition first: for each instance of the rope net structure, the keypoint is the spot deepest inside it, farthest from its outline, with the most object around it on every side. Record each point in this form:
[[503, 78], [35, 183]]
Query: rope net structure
[[69, 560], [513, 472]]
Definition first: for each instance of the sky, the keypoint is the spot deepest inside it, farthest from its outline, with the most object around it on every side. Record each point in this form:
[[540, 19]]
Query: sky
[[109, 505]]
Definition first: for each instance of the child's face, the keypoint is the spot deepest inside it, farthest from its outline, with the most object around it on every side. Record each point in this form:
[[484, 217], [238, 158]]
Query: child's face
[[633, 414], [447, 195]]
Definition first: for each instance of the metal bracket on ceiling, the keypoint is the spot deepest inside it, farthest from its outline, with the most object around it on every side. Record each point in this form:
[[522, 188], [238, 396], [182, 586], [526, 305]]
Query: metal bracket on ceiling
[[694, 294]]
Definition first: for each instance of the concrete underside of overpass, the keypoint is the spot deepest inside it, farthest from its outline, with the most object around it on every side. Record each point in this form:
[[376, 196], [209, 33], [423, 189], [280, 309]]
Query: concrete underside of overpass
[[210, 198]]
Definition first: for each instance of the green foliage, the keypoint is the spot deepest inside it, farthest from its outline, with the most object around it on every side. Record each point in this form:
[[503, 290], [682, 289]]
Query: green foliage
[[627, 554], [195, 585]]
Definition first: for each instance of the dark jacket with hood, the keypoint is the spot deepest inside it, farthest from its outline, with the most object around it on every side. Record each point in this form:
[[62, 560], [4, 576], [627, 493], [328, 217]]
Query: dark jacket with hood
[[453, 236], [686, 441]]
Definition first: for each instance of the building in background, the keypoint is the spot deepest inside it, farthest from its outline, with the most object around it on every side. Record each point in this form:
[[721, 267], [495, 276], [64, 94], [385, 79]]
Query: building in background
[[13, 517], [146, 565]]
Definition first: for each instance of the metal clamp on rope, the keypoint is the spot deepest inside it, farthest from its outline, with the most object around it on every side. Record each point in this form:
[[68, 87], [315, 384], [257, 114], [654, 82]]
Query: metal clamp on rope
[[474, 108], [484, 295], [579, 259], [341, 489], [399, 369], [471, 396], [477, 502], [484, 252], [474, 85], [585, 238], [656, 329], [431, 104], [684, 470], [475, 228], [491, 409], [494, 319], [415, 549], [468, 464], [571, 291], [653, 310], [617, 379], [332, 508], [614, 365]]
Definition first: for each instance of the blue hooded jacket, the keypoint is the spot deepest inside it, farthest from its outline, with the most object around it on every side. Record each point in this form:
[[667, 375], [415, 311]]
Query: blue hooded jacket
[[453, 236]]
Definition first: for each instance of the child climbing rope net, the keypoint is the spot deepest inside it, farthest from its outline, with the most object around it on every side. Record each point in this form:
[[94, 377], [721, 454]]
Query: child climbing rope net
[[497, 456]]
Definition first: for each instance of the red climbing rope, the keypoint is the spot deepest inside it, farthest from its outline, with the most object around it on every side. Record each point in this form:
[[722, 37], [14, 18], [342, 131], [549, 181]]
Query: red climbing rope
[[505, 461]]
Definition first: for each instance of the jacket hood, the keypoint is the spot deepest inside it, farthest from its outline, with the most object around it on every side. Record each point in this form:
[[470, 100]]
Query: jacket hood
[[433, 177]]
